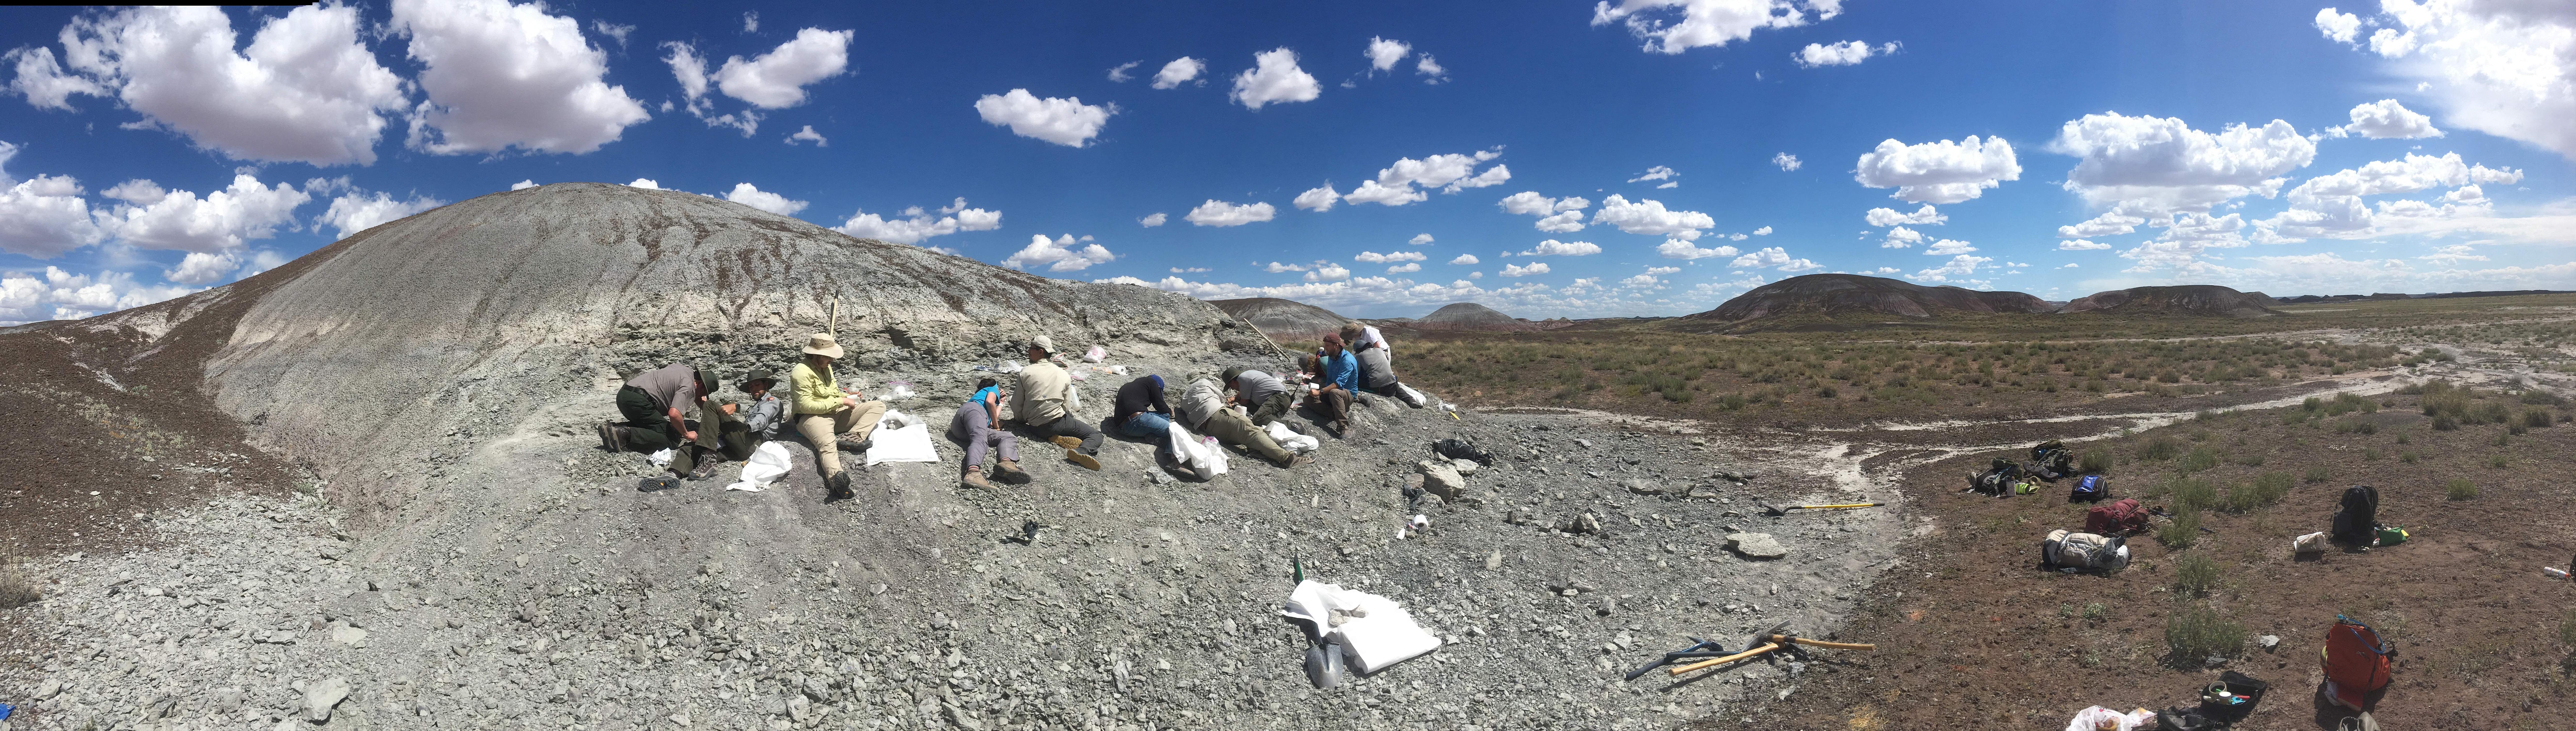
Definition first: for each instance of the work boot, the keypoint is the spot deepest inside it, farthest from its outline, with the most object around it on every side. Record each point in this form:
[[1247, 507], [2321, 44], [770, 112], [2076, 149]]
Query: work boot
[[973, 478], [1068, 442], [1009, 472], [840, 484], [861, 446], [1296, 460], [1183, 471], [1087, 461], [612, 436], [706, 468]]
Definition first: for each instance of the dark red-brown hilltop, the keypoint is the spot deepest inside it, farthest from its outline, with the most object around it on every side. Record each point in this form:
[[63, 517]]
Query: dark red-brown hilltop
[[2189, 299], [1836, 294]]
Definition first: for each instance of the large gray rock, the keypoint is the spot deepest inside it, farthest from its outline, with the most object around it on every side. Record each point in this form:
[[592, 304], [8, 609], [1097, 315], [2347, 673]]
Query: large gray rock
[[1439, 478], [1756, 545], [320, 697]]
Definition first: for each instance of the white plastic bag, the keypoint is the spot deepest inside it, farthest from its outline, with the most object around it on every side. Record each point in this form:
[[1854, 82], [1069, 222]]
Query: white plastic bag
[[1096, 354], [1199, 453], [662, 458], [1376, 631], [901, 437], [1411, 396], [2097, 718], [1293, 441], [767, 464]]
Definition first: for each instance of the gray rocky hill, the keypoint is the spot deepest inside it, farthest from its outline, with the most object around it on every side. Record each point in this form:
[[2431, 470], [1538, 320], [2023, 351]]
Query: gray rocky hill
[[1283, 320], [456, 551]]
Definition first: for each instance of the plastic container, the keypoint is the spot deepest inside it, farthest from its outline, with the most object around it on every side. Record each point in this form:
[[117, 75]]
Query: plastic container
[[2390, 535], [2242, 693], [2553, 572]]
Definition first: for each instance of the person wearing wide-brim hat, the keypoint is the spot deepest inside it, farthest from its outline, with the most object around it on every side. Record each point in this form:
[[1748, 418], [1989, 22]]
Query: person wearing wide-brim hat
[[656, 405], [830, 418], [1045, 402], [753, 417]]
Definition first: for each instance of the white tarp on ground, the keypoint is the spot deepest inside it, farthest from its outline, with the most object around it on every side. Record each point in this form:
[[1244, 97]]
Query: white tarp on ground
[[901, 437], [1375, 630], [1295, 442], [1201, 455], [767, 464]]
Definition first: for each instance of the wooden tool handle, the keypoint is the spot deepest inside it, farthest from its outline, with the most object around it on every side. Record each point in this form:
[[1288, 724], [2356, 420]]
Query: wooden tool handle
[[1716, 661], [1820, 643], [1844, 505]]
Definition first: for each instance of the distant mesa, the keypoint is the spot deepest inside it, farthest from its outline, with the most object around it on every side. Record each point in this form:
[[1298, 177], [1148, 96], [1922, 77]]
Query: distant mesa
[[1836, 294], [1283, 320], [2188, 299], [1469, 316]]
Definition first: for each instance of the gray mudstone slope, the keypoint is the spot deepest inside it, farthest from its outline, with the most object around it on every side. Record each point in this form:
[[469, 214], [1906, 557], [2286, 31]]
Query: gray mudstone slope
[[467, 557]]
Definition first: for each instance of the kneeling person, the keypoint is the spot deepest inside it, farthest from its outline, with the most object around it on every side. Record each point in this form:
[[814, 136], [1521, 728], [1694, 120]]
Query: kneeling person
[[656, 405], [752, 419], [1202, 409]]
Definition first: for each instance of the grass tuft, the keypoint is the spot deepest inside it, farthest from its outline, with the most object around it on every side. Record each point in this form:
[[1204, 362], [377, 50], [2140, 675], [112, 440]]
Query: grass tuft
[[2160, 448], [2195, 575], [2180, 532], [2460, 488], [16, 590], [2196, 632], [2096, 460]]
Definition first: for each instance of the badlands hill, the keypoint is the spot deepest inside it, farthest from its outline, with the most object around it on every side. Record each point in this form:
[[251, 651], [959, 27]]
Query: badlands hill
[[1283, 320], [369, 478], [1836, 294], [1469, 316], [2189, 299]]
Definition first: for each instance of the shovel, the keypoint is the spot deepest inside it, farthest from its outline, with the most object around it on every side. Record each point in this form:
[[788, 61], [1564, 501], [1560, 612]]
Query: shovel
[[1758, 644], [1779, 510]]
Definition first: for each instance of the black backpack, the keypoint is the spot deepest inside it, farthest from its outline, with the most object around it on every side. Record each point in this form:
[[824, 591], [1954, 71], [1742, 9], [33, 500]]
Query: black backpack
[[2051, 460], [1998, 477], [2358, 519]]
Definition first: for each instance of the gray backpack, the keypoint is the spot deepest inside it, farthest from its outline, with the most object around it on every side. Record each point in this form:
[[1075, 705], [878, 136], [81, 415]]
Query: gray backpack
[[2083, 552]]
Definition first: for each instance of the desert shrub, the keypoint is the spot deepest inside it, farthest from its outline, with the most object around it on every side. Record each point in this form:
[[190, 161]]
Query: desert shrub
[[2516, 429], [2192, 495], [2312, 404], [2542, 398], [2200, 458], [2195, 633], [2491, 412], [2319, 474], [2180, 532], [2347, 402], [2160, 448], [2194, 574], [2536, 418], [2407, 456], [2096, 460], [2567, 629], [2497, 461], [2460, 488], [16, 590], [2445, 422], [2266, 489]]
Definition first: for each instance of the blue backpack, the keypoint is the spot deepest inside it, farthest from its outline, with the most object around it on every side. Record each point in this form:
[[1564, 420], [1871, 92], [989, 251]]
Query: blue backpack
[[2090, 489]]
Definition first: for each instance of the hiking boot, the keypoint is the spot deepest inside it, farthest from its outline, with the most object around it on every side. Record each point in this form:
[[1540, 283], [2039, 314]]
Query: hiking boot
[[973, 478], [1183, 471], [861, 446], [1009, 472], [840, 484], [1088, 462], [612, 436], [1069, 443], [1295, 461], [706, 468]]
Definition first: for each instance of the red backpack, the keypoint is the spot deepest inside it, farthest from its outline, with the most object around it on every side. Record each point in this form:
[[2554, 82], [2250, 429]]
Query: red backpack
[[2121, 517], [2356, 663]]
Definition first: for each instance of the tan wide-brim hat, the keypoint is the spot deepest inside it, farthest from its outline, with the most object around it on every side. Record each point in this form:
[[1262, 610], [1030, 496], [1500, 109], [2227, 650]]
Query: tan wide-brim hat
[[821, 344], [1044, 344]]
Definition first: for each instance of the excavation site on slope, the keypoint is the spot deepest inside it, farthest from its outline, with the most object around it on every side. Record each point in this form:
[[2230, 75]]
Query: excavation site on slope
[[370, 489]]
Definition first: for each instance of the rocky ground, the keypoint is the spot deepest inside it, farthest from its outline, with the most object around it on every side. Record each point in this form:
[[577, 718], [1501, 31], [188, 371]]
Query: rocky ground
[[1141, 603]]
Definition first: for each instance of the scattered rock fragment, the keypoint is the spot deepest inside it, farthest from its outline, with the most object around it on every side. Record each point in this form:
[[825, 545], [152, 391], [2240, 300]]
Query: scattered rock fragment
[[320, 697], [1642, 486], [1756, 545]]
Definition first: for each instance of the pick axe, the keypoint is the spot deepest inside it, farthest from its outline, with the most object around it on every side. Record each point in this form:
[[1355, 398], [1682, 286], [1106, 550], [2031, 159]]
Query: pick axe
[[1771, 640], [1780, 510]]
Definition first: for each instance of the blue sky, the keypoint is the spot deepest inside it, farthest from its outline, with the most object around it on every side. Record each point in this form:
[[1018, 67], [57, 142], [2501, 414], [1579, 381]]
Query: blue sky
[[1645, 145]]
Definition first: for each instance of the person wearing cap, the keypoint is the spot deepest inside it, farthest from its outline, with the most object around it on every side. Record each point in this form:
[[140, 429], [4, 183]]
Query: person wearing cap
[[1202, 409], [1262, 395], [1339, 378], [1045, 401], [1377, 369], [751, 418], [656, 405], [978, 425], [829, 417]]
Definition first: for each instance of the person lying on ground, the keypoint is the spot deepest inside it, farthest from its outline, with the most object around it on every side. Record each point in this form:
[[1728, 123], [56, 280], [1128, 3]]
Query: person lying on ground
[[1045, 401], [830, 418], [1202, 409], [752, 418], [1263, 396], [1331, 394], [1139, 411], [655, 404], [978, 425], [1377, 371]]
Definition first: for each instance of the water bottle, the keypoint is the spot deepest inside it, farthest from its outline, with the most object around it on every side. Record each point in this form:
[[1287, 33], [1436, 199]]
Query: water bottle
[[2553, 573]]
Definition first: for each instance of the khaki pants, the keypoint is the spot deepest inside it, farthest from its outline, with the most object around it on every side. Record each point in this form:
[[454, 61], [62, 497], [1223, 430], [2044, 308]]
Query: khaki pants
[[823, 431], [1232, 428]]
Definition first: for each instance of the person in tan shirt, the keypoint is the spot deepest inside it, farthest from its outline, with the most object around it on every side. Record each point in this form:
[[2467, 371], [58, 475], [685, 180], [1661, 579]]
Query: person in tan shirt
[[1044, 402], [830, 418]]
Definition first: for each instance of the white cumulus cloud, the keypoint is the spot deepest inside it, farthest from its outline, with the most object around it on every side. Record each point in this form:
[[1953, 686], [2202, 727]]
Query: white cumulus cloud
[[1465, 260], [1180, 71], [2387, 119], [1059, 255], [1220, 213], [1274, 79], [152, 218], [1371, 257], [1119, 72], [500, 75], [306, 89], [1553, 247], [1901, 238], [44, 216], [1649, 217], [1326, 272], [1382, 53], [1516, 270], [62, 295], [1786, 161], [914, 225], [2502, 67], [1938, 172], [1151, 221], [1773, 256], [1319, 199], [1925, 216], [2340, 27], [1956, 271], [1679, 249], [1948, 247], [1404, 268], [1419, 240], [777, 79], [2164, 165], [1657, 172], [1065, 121], [1432, 72], [1674, 26], [751, 195], [809, 135], [357, 211], [524, 184], [2081, 245], [1846, 53], [199, 268]]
